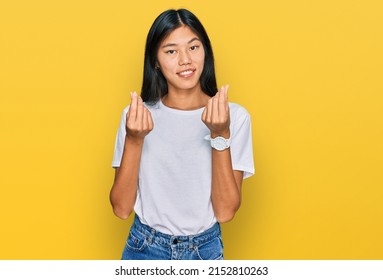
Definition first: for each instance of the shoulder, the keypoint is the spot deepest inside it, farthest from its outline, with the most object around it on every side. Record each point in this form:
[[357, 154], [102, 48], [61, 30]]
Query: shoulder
[[152, 106], [238, 112]]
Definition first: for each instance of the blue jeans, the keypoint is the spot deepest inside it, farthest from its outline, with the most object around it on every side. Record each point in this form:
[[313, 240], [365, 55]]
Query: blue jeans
[[145, 243]]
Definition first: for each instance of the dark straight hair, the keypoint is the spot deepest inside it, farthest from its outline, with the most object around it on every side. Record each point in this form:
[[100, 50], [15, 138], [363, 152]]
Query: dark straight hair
[[154, 85]]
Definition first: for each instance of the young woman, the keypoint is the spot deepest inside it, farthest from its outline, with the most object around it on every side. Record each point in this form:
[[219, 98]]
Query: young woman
[[182, 149]]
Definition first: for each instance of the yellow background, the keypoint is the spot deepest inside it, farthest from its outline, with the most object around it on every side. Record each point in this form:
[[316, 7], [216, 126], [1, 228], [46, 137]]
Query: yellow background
[[309, 72]]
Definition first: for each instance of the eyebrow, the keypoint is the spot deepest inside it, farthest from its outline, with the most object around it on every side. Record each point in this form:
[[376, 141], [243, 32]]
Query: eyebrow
[[173, 44]]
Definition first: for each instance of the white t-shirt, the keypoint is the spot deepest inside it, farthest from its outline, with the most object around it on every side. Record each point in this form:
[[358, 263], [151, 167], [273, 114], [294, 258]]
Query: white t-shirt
[[174, 180]]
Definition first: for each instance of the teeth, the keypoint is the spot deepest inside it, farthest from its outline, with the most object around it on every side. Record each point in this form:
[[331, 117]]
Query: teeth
[[186, 72]]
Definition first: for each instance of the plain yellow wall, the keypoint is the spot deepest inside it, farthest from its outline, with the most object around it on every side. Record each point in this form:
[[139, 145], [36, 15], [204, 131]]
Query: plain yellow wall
[[309, 72]]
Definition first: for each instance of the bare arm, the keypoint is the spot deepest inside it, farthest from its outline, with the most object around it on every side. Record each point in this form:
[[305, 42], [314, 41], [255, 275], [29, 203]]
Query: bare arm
[[124, 190], [226, 186], [226, 182]]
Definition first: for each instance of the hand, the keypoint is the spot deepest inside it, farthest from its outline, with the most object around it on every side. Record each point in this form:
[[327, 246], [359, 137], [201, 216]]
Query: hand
[[216, 114], [139, 121]]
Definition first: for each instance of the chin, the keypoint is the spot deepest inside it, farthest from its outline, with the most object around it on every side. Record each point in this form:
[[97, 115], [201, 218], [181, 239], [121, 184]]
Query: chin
[[185, 86]]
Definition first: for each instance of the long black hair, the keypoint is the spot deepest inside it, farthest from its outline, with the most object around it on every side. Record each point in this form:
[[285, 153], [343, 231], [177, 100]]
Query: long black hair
[[154, 85]]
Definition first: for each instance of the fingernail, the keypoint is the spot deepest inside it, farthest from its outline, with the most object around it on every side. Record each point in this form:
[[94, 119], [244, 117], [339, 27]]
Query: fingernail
[[134, 94]]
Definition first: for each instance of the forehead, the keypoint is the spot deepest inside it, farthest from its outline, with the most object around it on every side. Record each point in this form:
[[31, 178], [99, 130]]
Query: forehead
[[180, 35]]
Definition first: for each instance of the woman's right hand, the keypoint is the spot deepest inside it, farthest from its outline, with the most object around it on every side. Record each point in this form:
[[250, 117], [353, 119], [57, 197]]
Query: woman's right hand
[[139, 121], [124, 191]]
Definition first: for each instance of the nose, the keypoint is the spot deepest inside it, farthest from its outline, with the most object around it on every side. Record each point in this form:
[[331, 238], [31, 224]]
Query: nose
[[184, 58]]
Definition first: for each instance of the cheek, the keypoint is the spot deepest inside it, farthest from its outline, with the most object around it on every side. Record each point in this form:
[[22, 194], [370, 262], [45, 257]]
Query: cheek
[[201, 58], [167, 70], [166, 64], [201, 65]]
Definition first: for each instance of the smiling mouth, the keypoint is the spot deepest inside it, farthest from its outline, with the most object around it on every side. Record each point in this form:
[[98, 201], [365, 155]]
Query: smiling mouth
[[186, 73]]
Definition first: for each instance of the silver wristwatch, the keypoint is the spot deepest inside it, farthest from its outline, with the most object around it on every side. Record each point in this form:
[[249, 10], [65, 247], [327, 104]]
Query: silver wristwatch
[[218, 143]]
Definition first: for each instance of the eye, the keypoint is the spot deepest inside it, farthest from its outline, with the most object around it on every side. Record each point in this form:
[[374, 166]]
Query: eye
[[171, 51], [193, 48]]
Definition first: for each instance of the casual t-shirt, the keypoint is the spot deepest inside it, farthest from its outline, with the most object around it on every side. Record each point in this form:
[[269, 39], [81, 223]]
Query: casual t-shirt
[[175, 175]]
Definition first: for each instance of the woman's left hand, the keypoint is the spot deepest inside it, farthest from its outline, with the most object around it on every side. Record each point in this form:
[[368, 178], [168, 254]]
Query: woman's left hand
[[216, 114]]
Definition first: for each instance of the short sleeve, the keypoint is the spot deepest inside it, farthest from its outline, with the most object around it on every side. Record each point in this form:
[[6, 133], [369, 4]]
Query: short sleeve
[[241, 142], [120, 140]]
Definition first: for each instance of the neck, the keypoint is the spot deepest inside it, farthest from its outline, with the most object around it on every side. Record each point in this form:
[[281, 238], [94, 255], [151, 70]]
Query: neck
[[186, 99]]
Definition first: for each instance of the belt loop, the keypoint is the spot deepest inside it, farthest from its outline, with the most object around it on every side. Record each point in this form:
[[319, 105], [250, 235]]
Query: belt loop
[[151, 235], [191, 245]]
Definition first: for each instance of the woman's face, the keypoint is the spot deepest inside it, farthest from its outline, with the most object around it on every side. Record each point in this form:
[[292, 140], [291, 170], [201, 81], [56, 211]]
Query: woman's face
[[181, 59]]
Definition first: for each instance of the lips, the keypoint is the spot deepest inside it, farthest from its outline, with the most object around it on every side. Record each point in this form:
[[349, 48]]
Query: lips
[[186, 73]]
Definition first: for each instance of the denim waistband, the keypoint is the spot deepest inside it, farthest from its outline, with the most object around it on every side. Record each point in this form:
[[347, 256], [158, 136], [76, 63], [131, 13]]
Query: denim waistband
[[178, 240]]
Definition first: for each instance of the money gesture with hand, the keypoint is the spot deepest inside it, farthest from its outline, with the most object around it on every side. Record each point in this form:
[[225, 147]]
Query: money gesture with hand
[[139, 121], [216, 114]]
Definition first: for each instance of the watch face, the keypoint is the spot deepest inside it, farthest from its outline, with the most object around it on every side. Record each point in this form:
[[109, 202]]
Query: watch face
[[220, 144]]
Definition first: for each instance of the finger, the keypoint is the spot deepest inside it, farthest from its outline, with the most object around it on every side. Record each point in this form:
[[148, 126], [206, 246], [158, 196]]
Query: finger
[[150, 120], [225, 91], [128, 113], [221, 97], [222, 103], [203, 116], [133, 107], [227, 104], [215, 107], [145, 123], [140, 110], [226, 99], [208, 110]]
